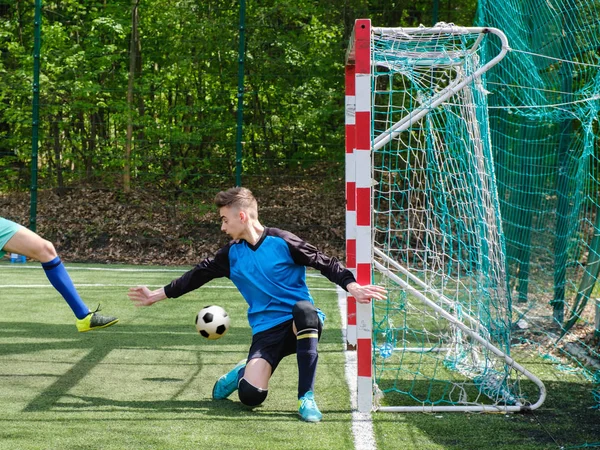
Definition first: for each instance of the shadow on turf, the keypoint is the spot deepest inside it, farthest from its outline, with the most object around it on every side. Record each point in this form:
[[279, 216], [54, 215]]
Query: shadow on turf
[[220, 408], [567, 419], [101, 343], [26, 338], [117, 336]]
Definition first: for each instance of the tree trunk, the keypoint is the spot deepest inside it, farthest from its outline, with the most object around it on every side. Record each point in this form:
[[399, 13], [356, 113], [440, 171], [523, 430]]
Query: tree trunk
[[133, 47], [60, 185]]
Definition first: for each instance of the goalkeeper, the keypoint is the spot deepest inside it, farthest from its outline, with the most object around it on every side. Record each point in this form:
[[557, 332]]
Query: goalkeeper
[[15, 238], [268, 266]]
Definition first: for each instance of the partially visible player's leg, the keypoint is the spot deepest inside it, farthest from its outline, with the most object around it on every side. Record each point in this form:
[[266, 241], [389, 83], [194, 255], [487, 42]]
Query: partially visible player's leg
[[251, 380], [30, 244], [258, 372], [7, 230], [253, 387], [227, 384], [308, 330], [26, 242]]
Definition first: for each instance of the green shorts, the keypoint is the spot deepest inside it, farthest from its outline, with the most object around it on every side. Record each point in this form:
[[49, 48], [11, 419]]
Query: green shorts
[[7, 230]]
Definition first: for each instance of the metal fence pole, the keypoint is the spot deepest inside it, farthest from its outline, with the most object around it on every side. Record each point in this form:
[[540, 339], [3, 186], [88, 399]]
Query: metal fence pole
[[240, 95], [35, 116]]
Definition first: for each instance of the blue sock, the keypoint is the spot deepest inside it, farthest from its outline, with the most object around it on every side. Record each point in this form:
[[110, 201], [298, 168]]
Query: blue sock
[[307, 356], [60, 279]]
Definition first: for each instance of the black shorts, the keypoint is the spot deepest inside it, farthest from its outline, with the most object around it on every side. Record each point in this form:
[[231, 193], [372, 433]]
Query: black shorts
[[276, 343]]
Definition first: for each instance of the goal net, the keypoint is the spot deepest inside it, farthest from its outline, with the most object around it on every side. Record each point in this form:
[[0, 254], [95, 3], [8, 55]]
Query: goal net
[[441, 341]]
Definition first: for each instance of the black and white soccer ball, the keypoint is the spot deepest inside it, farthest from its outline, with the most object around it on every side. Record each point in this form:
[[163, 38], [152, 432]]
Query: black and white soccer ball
[[212, 322]]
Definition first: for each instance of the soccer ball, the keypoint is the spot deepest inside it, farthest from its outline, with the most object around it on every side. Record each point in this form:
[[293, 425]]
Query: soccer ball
[[212, 322]]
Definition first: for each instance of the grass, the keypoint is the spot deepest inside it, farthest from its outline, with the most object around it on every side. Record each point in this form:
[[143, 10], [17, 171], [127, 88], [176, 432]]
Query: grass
[[146, 382]]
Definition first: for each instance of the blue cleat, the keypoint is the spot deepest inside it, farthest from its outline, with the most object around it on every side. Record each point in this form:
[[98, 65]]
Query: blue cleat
[[308, 409], [228, 383]]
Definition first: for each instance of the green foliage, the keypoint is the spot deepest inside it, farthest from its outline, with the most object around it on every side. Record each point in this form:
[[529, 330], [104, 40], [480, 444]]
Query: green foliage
[[184, 100]]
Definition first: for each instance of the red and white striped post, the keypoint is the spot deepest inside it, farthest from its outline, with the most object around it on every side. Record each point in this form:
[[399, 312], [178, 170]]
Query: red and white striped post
[[362, 162], [350, 203]]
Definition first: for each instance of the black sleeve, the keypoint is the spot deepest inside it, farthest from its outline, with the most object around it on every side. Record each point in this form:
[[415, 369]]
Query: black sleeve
[[207, 270], [306, 254]]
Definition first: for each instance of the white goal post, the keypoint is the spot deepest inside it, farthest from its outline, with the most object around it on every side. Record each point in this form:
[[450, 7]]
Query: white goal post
[[396, 118]]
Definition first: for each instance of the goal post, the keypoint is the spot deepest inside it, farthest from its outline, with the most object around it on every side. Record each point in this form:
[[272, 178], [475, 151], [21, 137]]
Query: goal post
[[350, 203], [423, 219], [358, 174]]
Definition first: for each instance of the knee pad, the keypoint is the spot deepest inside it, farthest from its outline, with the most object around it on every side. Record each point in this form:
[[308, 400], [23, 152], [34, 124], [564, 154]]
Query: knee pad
[[305, 316], [250, 395]]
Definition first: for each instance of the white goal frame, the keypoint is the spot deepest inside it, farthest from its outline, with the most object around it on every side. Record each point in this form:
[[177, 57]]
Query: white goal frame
[[360, 143]]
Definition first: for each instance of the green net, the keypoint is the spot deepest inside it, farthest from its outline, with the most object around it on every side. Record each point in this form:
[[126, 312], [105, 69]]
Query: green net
[[488, 204], [437, 233], [544, 128]]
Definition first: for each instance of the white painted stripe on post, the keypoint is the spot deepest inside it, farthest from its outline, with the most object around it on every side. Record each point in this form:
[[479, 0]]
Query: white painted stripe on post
[[362, 426], [351, 227], [363, 92], [363, 245], [350, 109], [365, 396], [350, 167], [362, 161], [351, 335], [364, 326]]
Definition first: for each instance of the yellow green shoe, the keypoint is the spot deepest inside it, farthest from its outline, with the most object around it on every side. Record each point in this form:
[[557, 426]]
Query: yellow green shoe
[[94, 321]]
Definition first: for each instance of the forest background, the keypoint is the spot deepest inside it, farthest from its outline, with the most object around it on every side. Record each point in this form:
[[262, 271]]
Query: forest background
[[138, 118]]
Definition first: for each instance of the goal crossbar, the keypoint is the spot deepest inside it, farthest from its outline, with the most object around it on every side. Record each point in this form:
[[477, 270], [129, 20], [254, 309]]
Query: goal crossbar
[[416, 115]]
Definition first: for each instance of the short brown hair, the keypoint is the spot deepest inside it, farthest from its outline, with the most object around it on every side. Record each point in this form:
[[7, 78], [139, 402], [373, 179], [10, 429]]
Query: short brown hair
[[237, 197]]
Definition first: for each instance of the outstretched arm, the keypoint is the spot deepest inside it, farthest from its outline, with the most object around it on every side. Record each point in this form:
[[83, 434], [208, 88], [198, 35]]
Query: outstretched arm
[[307, 254], [142, 296], [364, 294]]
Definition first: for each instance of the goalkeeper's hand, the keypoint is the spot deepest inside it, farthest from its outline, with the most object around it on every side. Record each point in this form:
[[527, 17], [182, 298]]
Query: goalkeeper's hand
[[364, 294], [142, 296]]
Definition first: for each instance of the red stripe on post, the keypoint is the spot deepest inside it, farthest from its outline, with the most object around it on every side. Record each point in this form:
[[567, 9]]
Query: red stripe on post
[[362, 36], [363, 206], [363, 357], [350, 253], [351, 309], [350, 138], [363, 273], [363, 130], [350, 196], [350, 81]]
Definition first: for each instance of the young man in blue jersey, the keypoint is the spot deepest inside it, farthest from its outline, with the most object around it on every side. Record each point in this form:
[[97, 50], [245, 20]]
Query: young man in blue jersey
[[268, 266], [15, 238]]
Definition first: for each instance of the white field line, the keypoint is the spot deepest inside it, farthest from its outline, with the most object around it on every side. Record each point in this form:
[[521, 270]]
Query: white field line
[[110, 269], [362, 426], [114, 269], [100, 269], [103, 285]]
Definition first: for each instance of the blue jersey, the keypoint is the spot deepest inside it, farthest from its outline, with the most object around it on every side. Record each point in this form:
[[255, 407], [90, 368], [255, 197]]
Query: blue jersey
[[271, 275]]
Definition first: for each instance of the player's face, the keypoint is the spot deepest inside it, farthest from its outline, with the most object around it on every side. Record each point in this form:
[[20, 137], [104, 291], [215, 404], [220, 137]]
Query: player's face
[[232, 222]]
